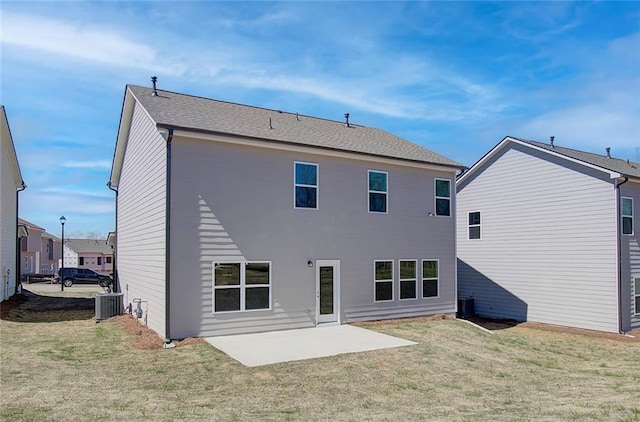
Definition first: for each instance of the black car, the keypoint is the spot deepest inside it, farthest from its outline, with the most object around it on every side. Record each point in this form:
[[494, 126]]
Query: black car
[[73, 276]]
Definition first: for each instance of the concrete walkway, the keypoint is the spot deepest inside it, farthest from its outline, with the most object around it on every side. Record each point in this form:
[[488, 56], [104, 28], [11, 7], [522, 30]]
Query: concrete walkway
[[291, 345]]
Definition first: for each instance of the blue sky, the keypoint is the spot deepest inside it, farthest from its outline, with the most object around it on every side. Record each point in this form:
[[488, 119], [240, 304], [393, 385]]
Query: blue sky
[[455, 77]]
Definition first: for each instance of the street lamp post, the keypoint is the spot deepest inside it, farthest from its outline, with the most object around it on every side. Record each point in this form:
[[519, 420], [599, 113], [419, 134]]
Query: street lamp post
[[62, 221]]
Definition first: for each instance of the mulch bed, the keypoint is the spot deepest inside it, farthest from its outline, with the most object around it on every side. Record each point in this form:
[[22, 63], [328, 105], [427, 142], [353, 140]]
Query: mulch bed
[[143, 337]]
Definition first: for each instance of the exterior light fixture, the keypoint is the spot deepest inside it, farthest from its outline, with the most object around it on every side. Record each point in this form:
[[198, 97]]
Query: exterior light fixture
[[310, 263]]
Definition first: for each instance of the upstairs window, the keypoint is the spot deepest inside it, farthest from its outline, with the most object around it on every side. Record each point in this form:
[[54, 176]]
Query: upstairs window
[[305, 185], [443, 197], [377, 191], [474, 225], [627, 215]]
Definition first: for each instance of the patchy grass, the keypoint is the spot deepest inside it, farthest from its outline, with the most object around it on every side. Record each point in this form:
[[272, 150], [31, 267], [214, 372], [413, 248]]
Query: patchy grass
[[61, 365]]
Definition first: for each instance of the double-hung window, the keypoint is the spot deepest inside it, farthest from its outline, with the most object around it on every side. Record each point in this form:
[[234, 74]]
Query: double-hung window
[[627, 215], [443, 197], [383, 281], [430, 278], [241, 286], [408, 279], [378, 191], [637, 294], [474, 225], [305, 189]]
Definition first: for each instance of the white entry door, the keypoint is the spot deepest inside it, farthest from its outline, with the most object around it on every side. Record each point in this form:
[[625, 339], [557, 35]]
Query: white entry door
[[327, 291]]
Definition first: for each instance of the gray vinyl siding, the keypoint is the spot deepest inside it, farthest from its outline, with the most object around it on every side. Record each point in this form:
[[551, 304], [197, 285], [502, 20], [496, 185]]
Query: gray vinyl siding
[[141, 220], [547, 251], [630, 260], [7, 226], [236, 202]]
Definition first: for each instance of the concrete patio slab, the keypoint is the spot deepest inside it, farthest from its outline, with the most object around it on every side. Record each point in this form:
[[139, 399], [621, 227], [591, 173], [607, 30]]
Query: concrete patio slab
[[291, 345]]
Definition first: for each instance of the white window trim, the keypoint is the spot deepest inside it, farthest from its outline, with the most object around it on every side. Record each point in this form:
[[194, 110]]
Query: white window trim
[[636, 296], [384, 281], [622, 216], [469, 225], [386, 193], [242, 286], [414, 279], [316, 186], [436, 197], [422, 279]]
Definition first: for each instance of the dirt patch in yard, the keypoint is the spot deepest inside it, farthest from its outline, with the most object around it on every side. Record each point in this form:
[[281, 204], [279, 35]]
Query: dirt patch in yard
[[503, 324], [143, 337]]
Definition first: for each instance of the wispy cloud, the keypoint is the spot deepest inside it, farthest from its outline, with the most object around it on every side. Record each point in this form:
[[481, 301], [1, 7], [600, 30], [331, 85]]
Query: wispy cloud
[[100, 164], [104, 45]]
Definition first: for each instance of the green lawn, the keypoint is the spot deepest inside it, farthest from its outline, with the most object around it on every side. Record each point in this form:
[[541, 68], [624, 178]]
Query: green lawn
[[62, 366]]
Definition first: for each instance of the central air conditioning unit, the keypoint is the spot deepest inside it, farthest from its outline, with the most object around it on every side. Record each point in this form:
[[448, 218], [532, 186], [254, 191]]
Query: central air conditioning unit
[[108, 305]]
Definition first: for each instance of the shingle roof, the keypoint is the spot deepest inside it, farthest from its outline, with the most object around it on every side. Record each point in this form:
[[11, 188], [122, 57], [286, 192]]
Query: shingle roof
[[180, 111], [29, 224], [613, 164], [88, 246]]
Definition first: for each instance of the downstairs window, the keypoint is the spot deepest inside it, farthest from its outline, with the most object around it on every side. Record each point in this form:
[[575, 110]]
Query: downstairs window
[[241, 286]]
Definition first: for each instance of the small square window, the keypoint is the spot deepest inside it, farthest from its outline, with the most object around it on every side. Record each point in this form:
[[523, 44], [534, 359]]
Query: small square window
[[474, 225]]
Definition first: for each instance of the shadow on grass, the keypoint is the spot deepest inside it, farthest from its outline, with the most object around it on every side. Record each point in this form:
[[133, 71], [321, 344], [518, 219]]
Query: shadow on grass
[[493, 324], [32, 307]]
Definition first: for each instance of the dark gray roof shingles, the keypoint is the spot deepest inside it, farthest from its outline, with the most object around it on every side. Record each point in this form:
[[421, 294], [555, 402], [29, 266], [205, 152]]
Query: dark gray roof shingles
[[189, 112], [617, 165]]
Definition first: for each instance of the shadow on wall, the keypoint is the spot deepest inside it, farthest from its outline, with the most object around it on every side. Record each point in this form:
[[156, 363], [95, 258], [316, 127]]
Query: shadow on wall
[[490, 299]]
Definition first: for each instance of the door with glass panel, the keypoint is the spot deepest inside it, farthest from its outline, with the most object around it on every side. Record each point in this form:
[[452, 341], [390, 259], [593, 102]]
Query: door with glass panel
[[327, 291]]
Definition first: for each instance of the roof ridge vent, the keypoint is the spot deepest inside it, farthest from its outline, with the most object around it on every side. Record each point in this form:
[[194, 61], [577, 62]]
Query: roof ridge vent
[[154, 93], [608, 152]]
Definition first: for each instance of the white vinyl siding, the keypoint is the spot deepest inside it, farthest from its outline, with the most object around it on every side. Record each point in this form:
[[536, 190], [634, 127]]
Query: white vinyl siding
[[548, 250], [7, 224], [141, 219], [210, 222]]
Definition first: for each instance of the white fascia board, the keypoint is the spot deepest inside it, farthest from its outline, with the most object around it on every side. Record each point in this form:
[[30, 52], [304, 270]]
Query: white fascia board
[[10, 151], [122, 139], [507, 140], [283, 146]]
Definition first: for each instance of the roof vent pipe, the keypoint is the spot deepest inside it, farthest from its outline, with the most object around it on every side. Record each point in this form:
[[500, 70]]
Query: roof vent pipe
[[154, 79], [270, 127], [346, 119], [551, 140], [608, 152]]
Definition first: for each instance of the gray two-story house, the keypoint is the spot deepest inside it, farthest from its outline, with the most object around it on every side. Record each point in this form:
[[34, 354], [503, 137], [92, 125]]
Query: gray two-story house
[[550, 234], [238, 219]]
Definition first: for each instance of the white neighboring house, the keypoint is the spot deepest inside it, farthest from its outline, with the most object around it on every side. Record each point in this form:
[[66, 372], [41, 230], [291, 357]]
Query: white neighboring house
[[10, 184], [70, 257], [236, 219], [551, 234]]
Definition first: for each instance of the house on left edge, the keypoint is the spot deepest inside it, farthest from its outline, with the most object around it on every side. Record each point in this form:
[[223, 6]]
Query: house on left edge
[[11, 184], [234, 219]]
